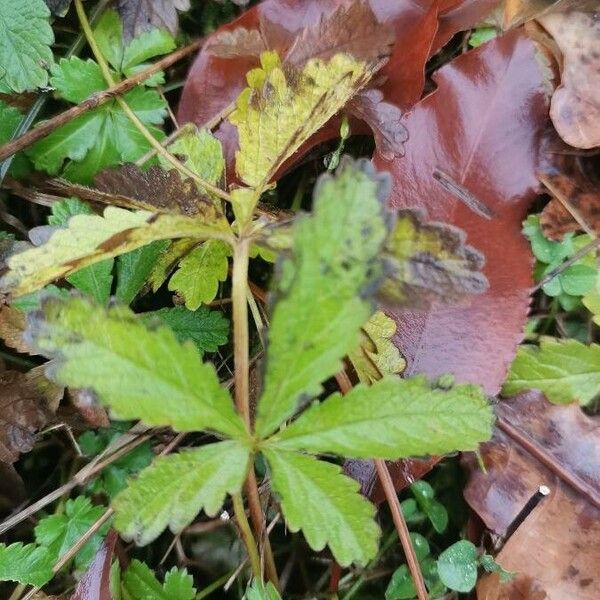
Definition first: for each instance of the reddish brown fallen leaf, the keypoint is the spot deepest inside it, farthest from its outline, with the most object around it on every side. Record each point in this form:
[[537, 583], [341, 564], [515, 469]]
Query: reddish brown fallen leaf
[[26, 405], [575, 108], [555, 551], [95, 584], [421, 28], [481, 127]]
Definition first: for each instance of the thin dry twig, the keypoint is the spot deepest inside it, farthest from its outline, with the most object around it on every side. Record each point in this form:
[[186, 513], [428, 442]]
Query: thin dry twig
[[114, 451], [401, 527], [387, 484]]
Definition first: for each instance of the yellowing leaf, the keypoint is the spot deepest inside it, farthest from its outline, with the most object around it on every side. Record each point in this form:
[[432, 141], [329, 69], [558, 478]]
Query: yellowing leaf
[[592, 302], [430, 261], [377, 355], [92, 238], [281, 108], [201, 153]]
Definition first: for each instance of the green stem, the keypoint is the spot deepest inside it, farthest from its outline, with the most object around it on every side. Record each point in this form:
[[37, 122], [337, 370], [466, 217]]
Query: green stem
[[239, 283], [246, 533], [214, 586], [105, 69], [241, 357]]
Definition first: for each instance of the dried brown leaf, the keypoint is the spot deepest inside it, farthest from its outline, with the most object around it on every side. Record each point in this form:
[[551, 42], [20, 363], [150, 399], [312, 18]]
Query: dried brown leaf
[[154, 189], [141, 15], [517, 12], [353, 29], [236, 44], [489, 103], [26, 405], [12, 326], [575, 107], [556, 549], [556, 219]]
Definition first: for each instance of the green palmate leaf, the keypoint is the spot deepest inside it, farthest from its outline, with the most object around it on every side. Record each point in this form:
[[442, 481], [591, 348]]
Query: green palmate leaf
[[134, 268], [101, 137], [201, 153], [333, 266], [25, 38], [393, 418], [199, 273], [377, 355], [77, 79], [72, 140], [58, 533], [317, 498], [27, 564], [174, 489], [573, 281], [92, 238], [430, 261], [280, 110], [457, 566], [95, 280], [566, 371], [109, 36], [140, 583], [140, 373], [208, 329]]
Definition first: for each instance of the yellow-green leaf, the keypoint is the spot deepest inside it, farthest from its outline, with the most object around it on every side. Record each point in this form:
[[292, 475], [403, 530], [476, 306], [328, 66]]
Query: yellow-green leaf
[[91, 238], [324, 289], [174, 489], [565, 370], [197, 279], [282, 107], [377, 355], [141, 373], [430, 261], [317, 498]]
